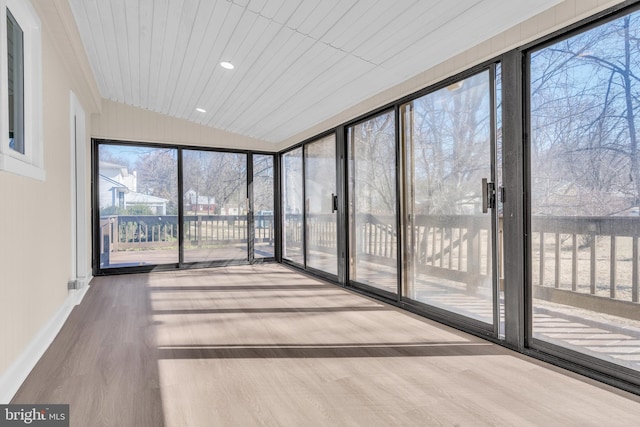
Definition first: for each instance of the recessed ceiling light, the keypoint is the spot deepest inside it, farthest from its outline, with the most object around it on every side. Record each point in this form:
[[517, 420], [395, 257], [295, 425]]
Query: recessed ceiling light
[[201, 110], [227, 65]]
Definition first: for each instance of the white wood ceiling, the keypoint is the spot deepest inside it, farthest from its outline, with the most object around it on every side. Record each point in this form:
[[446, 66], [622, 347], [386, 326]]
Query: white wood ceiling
[[298, 62]]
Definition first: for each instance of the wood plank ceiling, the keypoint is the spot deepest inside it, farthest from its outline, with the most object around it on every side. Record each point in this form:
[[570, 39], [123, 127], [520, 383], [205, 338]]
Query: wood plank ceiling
[[297, 62]]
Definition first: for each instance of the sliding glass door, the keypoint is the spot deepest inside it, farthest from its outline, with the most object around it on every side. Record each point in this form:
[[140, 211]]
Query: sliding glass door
[[321, 205], [373, 232], [449, 220], [292, 206], [215, 206], [585, 194], [263, 206], [309, 206]]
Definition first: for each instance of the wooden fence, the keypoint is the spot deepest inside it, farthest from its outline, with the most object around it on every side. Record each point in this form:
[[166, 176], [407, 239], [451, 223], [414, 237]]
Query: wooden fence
[[564, 250], [125, 232], [321, 232], [441, 244], [455, 248], [588, 262]]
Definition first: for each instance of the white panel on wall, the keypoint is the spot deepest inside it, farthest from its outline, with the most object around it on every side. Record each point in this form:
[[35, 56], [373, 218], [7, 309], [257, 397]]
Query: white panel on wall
[[297, 61]]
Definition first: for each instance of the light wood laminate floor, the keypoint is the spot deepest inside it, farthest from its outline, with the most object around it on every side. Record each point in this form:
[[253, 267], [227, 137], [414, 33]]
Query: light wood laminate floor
[[264, 345]]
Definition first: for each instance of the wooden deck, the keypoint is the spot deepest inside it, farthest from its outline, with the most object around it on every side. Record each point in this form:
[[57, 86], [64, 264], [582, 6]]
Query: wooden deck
[[264, 345], [130, 258]]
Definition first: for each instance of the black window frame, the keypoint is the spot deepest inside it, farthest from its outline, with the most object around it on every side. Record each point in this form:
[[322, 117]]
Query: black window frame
[[180, 265]]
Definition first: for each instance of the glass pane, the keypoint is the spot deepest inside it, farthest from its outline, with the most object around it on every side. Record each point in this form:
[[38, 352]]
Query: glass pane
[[15, 60], [585, 192], [138, 198], [292, 206], [320, 188], [372, 203], [263, 206], [215, 206], [447, 139], [499, 202]]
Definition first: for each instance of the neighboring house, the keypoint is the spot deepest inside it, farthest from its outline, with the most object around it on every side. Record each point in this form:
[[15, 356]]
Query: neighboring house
[[119, 174], [118, 188], [112, 192], [195, 202], [232, 209], [158, 205]]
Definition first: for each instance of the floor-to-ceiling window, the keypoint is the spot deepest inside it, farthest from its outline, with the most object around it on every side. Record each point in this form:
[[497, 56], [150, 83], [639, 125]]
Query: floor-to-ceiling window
[[320, 205], [449, 226], [292, 206], [584, 207], [373, 232], [215, 206], [138, 201], [136, 194], [309, 205], [263, 206]]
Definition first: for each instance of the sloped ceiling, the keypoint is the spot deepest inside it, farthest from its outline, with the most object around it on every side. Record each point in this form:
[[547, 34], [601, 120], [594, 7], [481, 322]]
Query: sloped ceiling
[[297, 62]]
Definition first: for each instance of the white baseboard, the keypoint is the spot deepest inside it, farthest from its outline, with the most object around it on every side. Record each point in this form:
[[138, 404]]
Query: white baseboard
[[18, 371]]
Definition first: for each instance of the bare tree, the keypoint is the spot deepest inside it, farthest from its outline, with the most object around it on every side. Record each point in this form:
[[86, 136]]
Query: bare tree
[[263, 181], [450, 147], [158, 176], [216, 176], [584, 102], [373, 165]]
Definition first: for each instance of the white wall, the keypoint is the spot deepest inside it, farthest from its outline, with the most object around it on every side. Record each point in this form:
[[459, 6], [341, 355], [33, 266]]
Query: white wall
[[124, 122], [36, 249]]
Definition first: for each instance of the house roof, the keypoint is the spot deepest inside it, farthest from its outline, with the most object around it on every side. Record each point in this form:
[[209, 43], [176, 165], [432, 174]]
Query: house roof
[[143, 199], [115, 184], [124, 170]]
